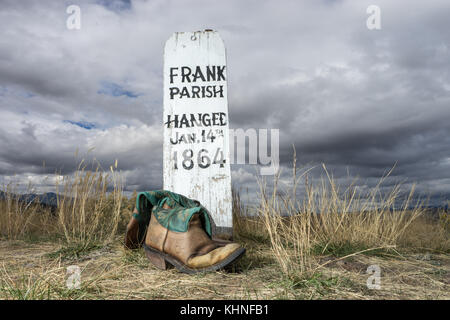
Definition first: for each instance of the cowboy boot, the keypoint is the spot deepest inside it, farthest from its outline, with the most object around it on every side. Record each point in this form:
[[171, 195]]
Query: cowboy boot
[[191, 251], [135, 232], [132, 233]]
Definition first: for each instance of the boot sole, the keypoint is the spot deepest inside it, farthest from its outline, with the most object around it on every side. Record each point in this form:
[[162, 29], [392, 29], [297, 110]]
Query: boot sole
[[163, 261]]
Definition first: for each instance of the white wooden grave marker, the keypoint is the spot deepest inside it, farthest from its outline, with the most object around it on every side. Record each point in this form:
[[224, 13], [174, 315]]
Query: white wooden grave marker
[[196, 140]]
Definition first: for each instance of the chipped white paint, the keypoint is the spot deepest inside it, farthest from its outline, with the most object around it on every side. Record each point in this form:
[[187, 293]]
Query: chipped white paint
[[196, 136]]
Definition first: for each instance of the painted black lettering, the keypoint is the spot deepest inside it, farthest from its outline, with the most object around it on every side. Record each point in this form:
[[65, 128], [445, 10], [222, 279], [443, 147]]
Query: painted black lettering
[[211, 73], [206, 119], [214, 119], [191, 138], [223, 118], [209, 92], [220, 73], [198, 74], [195, 92], [184, 121], [218, 91], [195, 122], [174, 121], [172, 74], [174, 91], [185, 73], [184, 93]]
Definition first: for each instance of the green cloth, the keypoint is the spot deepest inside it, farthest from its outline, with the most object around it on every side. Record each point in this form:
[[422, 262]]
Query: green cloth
[[175, 219]]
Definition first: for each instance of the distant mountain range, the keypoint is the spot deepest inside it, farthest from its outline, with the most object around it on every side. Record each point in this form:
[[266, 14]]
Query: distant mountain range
[[50, 199], [46, 199]]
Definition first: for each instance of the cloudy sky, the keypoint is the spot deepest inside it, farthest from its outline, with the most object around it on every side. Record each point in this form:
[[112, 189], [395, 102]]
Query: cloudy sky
[[358, 100]]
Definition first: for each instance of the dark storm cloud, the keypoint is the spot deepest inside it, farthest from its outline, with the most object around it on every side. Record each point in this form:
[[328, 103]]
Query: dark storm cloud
[[387, 104], [357, 100]]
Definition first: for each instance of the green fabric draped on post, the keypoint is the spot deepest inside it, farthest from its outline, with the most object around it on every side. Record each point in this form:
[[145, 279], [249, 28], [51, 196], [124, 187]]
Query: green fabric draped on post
[[175, 219]]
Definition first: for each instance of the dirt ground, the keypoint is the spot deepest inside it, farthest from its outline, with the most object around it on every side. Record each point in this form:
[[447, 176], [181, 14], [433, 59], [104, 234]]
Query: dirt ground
[[38, 270]]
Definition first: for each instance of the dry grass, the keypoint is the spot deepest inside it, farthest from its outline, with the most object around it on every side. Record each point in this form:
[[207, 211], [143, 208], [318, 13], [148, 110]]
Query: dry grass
[[330, 220], [90, 209], [19, 219], [27, 272], [426, 233], [315, 247], [86, 212]]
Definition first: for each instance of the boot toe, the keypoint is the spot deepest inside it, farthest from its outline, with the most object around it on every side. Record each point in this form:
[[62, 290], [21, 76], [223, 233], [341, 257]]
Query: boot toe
[[213, 257]]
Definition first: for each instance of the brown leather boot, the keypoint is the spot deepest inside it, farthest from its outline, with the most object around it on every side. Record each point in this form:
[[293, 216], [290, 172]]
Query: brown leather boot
[[134, 236], [131, 235], [191, 251], [136, 230]]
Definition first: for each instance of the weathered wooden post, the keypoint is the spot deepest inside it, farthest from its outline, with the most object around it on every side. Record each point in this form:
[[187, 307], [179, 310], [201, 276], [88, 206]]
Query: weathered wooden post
[[196, 139]]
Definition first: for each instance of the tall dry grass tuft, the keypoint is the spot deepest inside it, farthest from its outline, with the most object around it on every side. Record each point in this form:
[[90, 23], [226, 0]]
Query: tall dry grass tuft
[[20, 217], [89, 209], [89, 205], [288, 229], [244, 223], [370, 219], [430, 232], [329, 219]]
